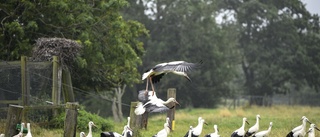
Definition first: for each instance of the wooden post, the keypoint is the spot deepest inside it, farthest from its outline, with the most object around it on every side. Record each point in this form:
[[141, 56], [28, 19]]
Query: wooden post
[[70, 123], [171, 93], [67, 86], [13, 118], [137, 121], [25, 85], [55, 86]]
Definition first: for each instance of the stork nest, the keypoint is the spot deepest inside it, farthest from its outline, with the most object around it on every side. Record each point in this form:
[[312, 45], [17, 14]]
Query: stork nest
[[67, 50]]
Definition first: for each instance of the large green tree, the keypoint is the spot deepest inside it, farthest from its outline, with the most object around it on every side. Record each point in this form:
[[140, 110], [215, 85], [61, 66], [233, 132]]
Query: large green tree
[[278, 42], [111, 49]]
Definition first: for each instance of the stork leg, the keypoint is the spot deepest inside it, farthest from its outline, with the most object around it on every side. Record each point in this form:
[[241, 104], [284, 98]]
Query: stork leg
[[152, 86], [146, 92]]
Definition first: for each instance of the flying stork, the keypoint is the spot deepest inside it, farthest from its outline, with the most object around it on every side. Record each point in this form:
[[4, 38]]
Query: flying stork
[[176, 67]]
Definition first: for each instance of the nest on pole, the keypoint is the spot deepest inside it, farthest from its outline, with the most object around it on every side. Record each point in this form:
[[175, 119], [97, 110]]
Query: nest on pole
[[67, 50]]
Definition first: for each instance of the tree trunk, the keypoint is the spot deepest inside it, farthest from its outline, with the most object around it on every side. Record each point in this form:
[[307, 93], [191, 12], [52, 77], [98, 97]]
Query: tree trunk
[[114, 111]]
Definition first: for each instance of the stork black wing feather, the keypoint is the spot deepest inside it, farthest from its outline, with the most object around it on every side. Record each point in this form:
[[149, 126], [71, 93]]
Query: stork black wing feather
[[156, 79]]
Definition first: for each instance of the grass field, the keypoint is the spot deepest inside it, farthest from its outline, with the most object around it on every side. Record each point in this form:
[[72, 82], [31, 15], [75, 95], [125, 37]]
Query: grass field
[[284, 118]]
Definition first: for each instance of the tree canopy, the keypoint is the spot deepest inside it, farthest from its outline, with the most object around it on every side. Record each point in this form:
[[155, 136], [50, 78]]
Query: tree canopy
[[111, 49]]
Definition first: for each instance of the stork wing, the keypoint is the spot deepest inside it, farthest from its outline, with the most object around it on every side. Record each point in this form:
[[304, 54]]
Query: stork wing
[[142, 97], [180, 66], [157, 109]]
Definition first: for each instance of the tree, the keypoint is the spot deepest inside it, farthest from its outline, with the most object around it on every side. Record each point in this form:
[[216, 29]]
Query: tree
[[111, 48], [274, 39], [111, 45]]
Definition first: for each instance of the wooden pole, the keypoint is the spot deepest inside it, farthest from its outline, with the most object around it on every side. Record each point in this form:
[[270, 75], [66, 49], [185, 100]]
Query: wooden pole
[[24, 82], [171, 93], [67, 86], [70, 123], [55, 86], [14, 116], [137, 121]]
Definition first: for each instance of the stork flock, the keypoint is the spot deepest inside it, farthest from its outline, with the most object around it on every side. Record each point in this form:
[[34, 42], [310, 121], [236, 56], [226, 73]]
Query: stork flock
[[254, 131]]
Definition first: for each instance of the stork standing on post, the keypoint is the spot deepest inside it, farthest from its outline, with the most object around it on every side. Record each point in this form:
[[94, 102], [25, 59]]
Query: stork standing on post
[[177, 67], [152, 103]]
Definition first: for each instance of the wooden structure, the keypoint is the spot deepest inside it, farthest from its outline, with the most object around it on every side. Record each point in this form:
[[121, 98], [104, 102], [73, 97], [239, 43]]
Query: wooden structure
[[13, 117], [70, 123], [171, 93]]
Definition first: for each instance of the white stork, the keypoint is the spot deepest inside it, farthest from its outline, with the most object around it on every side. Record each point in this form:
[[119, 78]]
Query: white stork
[[264, 133], [298, 127], [20, 134], [311, 132], [90, 124], [215, 133], [300, 130], [1, 135], [82, 134], [164, 132], [240, 132], [127, 132], [254, 128], [190, 131], [29, 130], [196, 131], [177, 67], [154, 104]]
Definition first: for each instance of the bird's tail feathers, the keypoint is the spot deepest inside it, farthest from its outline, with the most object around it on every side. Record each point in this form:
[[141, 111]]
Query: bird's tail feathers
[[146, 74], [139, 109]]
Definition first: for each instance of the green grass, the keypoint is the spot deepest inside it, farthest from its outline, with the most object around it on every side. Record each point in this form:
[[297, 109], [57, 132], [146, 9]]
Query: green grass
[[284, 118]]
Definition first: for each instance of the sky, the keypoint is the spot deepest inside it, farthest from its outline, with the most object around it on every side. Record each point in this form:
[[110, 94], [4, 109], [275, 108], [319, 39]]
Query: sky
[[313, 6]]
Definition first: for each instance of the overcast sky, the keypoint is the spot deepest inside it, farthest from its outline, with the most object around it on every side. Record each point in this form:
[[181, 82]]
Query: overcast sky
[[313, 6]]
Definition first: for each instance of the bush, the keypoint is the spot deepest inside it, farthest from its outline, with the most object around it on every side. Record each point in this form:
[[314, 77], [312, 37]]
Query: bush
[[82, 122]]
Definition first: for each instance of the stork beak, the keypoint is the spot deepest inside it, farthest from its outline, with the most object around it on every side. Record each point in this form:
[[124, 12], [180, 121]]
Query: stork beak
[[317, 128], [308, 121], [206, 123], [129, 128], [187, 78], [94, 125], [177, 103], [247, 122], [169, 127]]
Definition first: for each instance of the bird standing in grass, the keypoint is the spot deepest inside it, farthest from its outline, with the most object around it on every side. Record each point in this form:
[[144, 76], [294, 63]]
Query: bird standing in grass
[[90, 124], [240, 132], [264, 133], [311, 132], [215, 133], [177, 67], [127, 131], [254, 128], [196, 131], [29, 130], [164, 132], [300, 130]]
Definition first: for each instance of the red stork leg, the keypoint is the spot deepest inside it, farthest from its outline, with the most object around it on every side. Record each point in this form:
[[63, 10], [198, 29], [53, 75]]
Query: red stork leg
[[152, 86], [146, 92]]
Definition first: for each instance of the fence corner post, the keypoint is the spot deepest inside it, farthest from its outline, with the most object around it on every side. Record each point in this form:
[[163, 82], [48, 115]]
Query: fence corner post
[[13, 118], [70, 123], [137, 121]]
